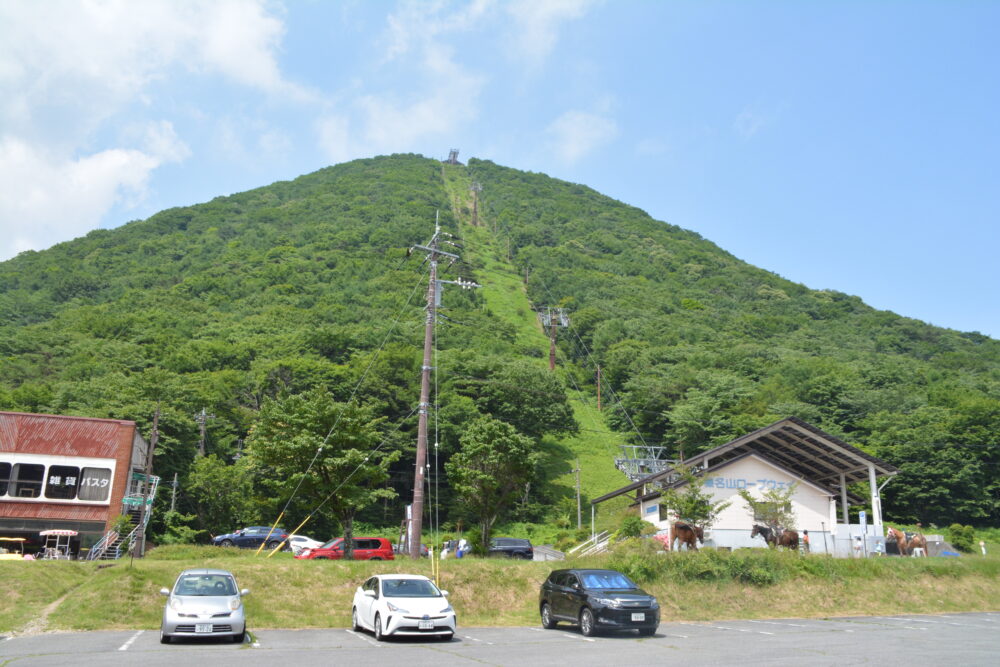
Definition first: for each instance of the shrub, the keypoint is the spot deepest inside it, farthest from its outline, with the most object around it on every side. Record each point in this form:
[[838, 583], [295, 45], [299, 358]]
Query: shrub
[[474, 536], [962, 537], [632, 526]]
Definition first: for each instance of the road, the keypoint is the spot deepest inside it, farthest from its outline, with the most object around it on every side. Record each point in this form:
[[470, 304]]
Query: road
[[953, 639]]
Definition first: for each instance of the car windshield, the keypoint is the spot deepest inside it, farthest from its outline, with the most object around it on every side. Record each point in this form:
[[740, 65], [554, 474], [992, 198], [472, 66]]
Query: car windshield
[[409, 588], [608, 580], [204, 585], [333, 544]]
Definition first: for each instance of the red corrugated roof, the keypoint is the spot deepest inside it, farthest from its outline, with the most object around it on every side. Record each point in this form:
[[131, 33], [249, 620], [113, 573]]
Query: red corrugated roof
[[60, 435]]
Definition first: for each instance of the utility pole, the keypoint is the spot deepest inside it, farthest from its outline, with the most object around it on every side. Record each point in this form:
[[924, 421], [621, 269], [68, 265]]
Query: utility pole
[[552, 318], [154, 438], [579, 516], [202, 417], [476, 189], [598, 388], [173, 494], [433, 300]]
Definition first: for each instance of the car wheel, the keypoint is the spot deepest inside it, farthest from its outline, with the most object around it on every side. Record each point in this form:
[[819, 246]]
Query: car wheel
[[378, 628], [547, 621], [240, 638], [587, 627], [164, 638], [226, 543], [354, 620], [273, 544]]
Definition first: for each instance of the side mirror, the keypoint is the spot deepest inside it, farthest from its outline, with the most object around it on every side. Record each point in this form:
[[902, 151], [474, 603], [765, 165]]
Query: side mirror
[[370, 594], [164, 591], [245, 591], [444, 593]]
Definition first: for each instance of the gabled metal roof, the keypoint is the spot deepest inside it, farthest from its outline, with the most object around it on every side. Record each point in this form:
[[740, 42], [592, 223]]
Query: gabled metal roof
[[793, 444]]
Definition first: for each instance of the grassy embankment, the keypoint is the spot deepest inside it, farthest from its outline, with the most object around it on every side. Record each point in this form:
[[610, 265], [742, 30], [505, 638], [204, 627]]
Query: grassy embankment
[[317, 594]]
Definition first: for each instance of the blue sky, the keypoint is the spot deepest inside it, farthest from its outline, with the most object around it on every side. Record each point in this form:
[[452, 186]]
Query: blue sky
[[849, 145]]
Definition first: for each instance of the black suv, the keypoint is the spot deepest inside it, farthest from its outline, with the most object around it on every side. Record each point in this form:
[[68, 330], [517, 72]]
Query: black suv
[[512, 547], [597, 600]]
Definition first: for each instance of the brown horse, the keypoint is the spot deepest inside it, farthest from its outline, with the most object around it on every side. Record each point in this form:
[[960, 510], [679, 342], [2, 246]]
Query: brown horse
[[789, 539], [906, 543], [689, 534], [786, 538]]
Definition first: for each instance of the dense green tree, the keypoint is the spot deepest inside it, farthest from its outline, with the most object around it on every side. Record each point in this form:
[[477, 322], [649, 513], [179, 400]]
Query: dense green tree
[[491, 470], [223, 494], [324, 457]]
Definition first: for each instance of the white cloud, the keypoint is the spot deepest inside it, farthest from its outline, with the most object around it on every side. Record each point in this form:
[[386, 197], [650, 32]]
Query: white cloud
[[418, 22], [69, 68], [48, 198], [577, 133], [444, 97], [335, 138], [537, 25], [755, 117]]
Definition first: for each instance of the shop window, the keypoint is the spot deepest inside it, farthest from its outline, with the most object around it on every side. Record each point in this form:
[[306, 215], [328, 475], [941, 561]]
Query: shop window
[[26, 480], [95, 484], [4, 478], [61, 482]]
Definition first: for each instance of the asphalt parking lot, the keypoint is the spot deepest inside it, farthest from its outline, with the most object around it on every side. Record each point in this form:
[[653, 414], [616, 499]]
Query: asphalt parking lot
[[953, 639]]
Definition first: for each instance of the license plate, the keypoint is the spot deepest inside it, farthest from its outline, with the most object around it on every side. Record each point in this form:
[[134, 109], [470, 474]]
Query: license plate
[[425, 625], [638, 617], [207, 627]]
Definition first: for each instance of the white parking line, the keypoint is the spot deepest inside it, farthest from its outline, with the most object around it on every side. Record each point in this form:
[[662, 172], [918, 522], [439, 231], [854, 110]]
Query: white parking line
[[793, 625], [124, 647], [481, 641], [565, 634], [363, 638]]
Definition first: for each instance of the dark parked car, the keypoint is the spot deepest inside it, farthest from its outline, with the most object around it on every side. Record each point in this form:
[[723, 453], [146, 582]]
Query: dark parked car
[[597, 600], [512, 547], [252, 537]]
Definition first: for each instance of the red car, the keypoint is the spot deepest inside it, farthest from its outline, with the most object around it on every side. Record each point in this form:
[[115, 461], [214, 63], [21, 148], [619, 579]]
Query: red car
[[365, 548]]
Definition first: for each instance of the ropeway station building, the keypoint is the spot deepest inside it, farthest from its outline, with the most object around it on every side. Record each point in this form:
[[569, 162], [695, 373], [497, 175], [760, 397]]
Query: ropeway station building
[[71, 474], [789, 451]]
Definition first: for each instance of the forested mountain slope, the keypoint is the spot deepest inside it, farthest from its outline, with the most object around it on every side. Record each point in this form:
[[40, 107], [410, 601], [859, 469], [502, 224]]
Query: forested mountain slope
[[306, 285]]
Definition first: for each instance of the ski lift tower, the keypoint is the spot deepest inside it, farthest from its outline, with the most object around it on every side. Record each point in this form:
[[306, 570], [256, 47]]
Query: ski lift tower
[[551, 318], [452, 157]]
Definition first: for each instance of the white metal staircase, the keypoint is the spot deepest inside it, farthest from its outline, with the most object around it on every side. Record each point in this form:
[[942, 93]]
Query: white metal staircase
[[116, 544]]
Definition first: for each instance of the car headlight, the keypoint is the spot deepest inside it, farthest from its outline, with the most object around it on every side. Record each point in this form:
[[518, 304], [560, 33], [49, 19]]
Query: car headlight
[[447, 610], [608, 602], [398, 610], [234, 604], [653, 604], [176, 604]]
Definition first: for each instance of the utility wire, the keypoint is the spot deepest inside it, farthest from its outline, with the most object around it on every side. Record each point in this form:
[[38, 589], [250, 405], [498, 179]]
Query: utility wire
[[351, 399]]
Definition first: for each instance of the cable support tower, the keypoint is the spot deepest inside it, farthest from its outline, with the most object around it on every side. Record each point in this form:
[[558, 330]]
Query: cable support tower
[[552, 319]]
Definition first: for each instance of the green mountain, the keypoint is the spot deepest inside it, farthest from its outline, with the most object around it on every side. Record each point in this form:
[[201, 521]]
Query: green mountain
[[308, 284]]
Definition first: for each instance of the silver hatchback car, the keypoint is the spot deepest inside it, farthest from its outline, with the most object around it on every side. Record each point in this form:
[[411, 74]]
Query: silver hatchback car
[[204, 603]]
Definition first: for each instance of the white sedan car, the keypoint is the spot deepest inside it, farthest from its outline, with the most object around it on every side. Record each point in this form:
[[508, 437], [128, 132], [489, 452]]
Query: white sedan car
[[299, 542], [403, 604]]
